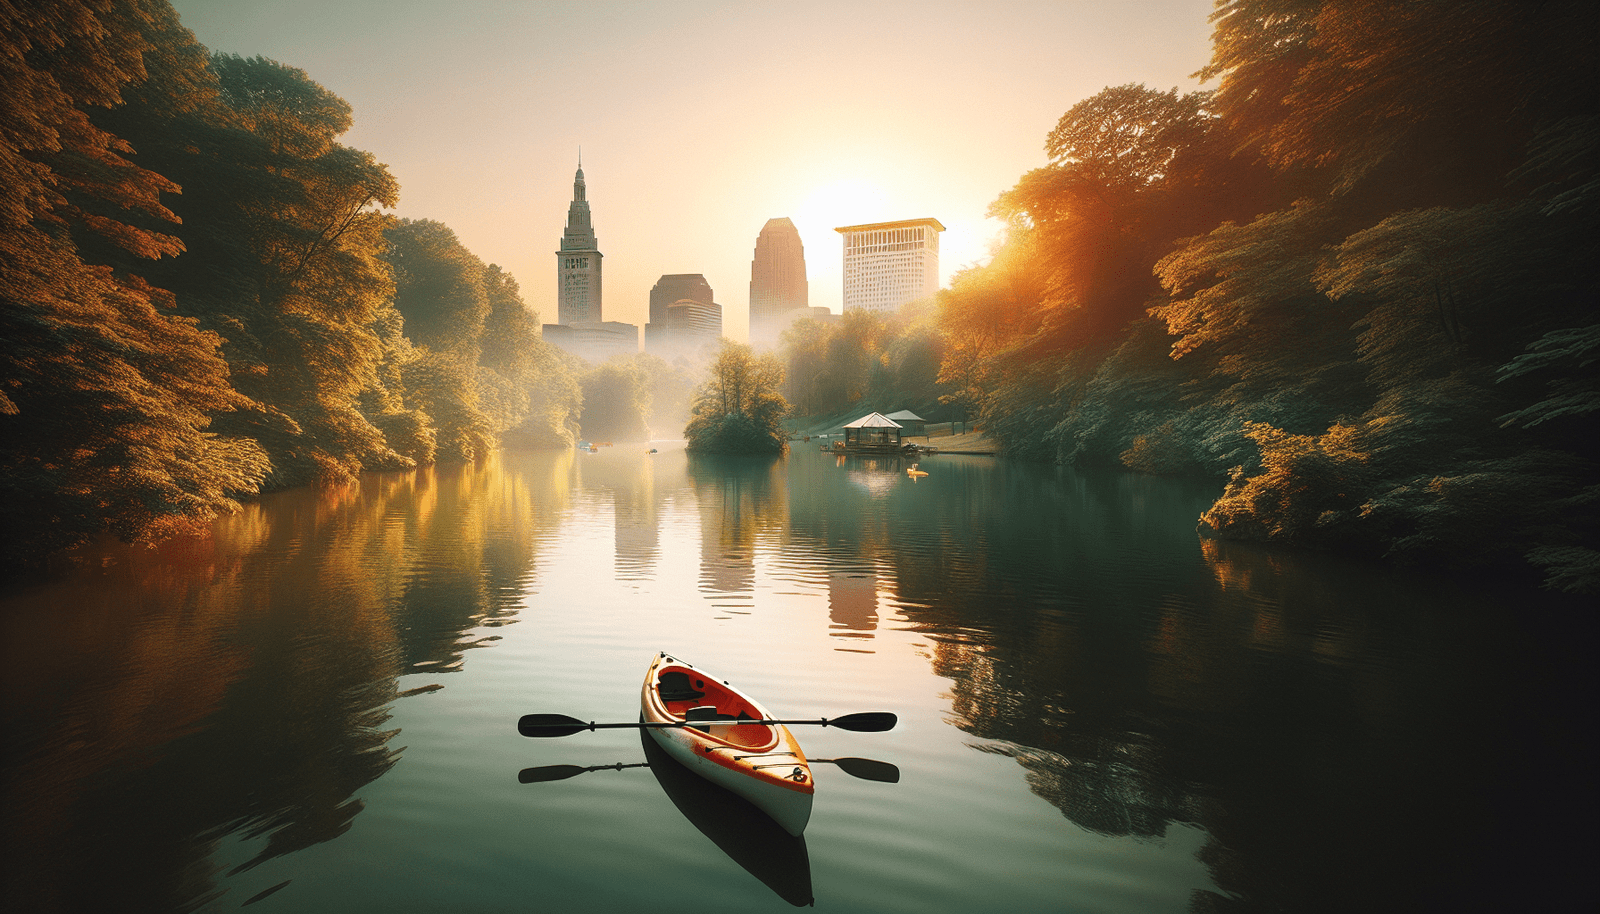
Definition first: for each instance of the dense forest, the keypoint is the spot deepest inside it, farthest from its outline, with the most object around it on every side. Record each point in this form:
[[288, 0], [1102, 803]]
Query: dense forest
[[1355, 280], [201, 297]]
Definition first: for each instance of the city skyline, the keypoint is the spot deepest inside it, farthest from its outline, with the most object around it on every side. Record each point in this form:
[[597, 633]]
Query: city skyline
[[479, 109]]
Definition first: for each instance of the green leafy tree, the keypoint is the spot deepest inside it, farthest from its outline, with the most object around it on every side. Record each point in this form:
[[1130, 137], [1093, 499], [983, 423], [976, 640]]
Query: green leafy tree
[[440, 292], [1028, 337], [1389, 93], [1095, 208], [283, 239], [1443, 221], [670, 388], [863, 358], [805, 350], [739, 409], [510, 329], [440, 288]]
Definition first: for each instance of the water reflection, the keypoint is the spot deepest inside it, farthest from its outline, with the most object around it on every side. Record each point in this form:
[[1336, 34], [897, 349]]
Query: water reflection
[[853, 604], [740, 499], [239, 685], [746, 834], [1317, 719], [630, 485], [1343, 738]]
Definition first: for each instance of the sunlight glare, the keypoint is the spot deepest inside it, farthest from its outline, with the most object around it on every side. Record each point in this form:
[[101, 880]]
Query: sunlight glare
[[848, 201]]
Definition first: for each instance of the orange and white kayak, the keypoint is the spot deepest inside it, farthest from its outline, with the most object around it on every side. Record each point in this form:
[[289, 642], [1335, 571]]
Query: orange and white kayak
[[760, 762]]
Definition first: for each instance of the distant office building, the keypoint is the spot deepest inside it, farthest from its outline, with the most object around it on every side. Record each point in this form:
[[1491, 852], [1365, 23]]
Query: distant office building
[[695, 319], [692, 330], [818, 313], [778, 286], [889, 264], [687, 326], [669, 289], [578, 262], [594, 341]]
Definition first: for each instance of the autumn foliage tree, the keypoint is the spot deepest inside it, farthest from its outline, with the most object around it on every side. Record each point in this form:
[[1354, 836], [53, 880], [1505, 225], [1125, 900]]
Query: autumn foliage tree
[[197, 294], [107, 392], [1352, 278]]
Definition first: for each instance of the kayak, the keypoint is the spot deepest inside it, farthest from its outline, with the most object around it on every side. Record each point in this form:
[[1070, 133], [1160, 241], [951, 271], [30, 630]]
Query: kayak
[[760, 762]]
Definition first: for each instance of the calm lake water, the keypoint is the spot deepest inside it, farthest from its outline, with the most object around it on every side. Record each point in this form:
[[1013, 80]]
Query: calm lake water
[[314, 709]]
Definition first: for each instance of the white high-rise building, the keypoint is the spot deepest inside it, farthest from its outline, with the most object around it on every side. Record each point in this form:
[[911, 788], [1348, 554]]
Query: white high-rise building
[[889, 264]]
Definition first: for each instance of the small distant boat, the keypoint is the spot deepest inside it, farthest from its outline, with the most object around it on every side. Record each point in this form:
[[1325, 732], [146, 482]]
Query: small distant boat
[[915, 473], [760, 762]]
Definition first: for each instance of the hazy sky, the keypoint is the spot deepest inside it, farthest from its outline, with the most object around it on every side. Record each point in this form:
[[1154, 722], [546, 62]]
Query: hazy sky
[[701, 121]]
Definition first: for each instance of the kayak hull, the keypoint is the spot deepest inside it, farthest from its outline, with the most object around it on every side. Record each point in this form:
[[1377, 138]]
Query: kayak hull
[[761, 762]]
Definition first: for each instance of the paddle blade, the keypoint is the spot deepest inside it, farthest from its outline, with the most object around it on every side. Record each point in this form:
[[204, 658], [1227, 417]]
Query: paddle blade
[[549, 773], [865, 722], [867, 769], [550, 725]]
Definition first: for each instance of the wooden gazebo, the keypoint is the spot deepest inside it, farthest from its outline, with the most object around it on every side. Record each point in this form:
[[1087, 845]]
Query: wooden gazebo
[[873, 433]]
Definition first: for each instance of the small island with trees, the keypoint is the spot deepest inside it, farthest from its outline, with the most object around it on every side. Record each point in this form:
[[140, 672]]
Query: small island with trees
[[739, 409]]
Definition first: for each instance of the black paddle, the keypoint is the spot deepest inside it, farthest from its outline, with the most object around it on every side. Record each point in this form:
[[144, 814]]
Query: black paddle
[[562, 772], [562, 725], [864, 768]]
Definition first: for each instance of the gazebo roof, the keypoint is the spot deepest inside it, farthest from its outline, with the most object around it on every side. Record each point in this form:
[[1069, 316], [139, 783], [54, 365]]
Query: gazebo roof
[[905, 415], [873, 420]]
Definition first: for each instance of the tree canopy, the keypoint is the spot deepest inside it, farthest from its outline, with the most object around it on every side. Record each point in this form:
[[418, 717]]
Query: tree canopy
[[1352, 278], [739, 409], [201, 296]]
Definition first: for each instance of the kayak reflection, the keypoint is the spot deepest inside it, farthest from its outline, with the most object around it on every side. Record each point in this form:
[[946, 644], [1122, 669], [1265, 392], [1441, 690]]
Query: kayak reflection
[[746, 834]]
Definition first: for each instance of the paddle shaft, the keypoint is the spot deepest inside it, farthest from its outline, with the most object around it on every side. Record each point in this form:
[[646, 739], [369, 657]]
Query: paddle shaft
[[865, 768], [561, 725]]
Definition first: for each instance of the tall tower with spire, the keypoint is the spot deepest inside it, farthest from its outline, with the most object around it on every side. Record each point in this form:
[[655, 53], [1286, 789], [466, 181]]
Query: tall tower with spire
[[578, 261]]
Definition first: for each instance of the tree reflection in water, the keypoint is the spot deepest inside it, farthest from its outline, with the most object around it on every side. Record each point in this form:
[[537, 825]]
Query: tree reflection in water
[[1324, 725], [237, 687], [1346, 738]]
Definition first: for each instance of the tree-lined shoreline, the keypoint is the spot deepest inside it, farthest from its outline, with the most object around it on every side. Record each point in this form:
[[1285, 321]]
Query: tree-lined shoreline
[[1353, 280]]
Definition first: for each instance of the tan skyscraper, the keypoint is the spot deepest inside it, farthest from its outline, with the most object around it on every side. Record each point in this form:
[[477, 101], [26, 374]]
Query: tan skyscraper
[[578, 263], [778, 287], [889, 264]]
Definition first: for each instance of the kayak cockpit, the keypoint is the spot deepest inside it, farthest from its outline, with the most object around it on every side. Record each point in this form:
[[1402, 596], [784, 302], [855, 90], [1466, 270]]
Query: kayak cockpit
[[685, 694]]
